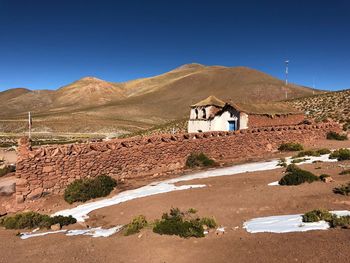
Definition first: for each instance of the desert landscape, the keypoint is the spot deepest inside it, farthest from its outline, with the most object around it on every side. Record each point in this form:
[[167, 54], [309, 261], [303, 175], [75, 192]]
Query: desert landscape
[[152, 131]]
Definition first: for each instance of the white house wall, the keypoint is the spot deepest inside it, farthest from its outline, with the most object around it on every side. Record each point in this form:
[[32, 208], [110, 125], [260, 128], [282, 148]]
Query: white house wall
[[199, 125], [220, 123], [243, 122]]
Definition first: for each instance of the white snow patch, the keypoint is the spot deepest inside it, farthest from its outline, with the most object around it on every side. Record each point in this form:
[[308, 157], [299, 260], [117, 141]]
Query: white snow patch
[[94, 232], [286, 223], [81, 212], [274, 183]]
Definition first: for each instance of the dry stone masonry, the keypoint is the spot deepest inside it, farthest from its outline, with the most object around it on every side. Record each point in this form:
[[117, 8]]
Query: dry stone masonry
[[50, 169]]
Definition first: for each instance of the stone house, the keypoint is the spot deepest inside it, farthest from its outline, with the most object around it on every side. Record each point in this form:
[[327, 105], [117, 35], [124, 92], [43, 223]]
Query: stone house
[[212, 114]]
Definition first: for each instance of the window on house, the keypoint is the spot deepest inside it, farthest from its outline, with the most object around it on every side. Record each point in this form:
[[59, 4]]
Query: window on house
[[196, 112], [204, 114]]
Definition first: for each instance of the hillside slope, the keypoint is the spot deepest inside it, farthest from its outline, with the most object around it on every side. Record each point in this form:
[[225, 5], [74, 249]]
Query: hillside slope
[[335, 105], [101, 106]]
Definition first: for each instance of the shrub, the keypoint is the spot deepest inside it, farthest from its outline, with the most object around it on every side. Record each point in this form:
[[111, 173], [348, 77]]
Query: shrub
[[340, 221], [317, 215], [333, 220], [86, 189], [336, 136], [290, 146], [341, 154], [345, 172], [7, 169], [199, 160], [135, 225], [299, 160], [315, 153], [296, 176], [282, 162], [343, 189], [34, 220], [209, 222], [324, 151], [182, 224]]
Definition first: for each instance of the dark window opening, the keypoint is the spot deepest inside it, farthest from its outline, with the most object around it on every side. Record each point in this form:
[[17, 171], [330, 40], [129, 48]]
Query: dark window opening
[[204, 114], [196, 111]]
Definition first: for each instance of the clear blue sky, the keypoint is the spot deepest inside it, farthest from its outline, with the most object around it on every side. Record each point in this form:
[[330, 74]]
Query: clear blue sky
[[47, 44]]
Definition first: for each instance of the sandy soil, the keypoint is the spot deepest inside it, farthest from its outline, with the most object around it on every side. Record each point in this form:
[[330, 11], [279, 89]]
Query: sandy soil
[[231, 200], [8, 156]]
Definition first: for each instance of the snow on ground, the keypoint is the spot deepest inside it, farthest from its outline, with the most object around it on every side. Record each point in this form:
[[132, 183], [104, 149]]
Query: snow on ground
[[94, 232], [286, 223], [81, 212]]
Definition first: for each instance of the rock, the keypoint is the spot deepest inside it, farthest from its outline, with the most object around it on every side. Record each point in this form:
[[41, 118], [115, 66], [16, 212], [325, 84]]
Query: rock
[[19, 199], [56, 227], [36, 193], [7, 188], [328, 180], [139, 236]]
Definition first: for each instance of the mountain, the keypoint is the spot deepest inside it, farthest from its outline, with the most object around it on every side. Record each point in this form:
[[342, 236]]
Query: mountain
[[95, 105], [334, 105]]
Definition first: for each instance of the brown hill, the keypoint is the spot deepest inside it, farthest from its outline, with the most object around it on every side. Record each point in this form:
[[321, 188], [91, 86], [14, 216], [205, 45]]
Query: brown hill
[[101, 106]]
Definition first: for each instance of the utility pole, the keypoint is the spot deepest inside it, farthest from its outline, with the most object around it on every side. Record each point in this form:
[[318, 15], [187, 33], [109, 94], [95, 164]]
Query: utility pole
[[287, 62], [29, 125]]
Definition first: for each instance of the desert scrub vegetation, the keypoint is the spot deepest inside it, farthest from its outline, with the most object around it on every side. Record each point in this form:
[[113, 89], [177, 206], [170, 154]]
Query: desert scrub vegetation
[[295, 176], [299, 160], [183, 224], [341, 154], [336, 136], [323, 177], [30, 220], [199, 160], [332, 219], [282, 162], [7, 169], [345, 172], [83, 190], [138, 223], [315, 153], [343, 189], [290, 147]]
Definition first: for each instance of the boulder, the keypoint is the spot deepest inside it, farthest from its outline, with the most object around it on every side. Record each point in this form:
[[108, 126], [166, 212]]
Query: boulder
[[35, 194], [56, 227], [7, 188]]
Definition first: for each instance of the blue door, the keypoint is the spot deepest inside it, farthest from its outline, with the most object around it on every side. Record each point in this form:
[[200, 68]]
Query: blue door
[[231, 125]]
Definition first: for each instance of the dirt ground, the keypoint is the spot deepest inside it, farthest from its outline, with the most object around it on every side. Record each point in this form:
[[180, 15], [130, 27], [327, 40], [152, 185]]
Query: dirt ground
[[231, 200]]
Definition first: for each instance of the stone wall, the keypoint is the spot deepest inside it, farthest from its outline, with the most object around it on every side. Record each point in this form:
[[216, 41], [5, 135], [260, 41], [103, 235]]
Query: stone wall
[[49, 169], [259, 120]]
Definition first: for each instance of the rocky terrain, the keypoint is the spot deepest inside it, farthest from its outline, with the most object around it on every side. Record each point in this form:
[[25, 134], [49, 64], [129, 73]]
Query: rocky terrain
[[334, 105]]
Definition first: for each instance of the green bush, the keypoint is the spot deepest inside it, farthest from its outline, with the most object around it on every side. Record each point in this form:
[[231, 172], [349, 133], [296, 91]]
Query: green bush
[[333, 220], [7, 169], [135, 225], [33, 220], [317, 215], [336, 136], [299, 160], [199, 160], [296, 176], [290, 146], [282, 162], [315, 153], [345, 172], [323, 151], [182, 224], [85, 189], [341, 154], [343, 189], [209, 222]]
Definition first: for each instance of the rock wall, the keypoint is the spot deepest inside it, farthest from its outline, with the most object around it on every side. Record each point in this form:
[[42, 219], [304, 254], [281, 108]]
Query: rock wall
[[50, 169], [255, 120]]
